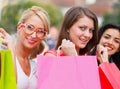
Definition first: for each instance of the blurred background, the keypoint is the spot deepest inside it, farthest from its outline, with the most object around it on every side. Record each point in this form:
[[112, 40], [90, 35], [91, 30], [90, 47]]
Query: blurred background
[[107, 11]]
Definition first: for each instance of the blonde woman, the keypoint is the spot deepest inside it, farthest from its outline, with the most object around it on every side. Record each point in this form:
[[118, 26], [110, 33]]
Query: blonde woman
[[32, 27]]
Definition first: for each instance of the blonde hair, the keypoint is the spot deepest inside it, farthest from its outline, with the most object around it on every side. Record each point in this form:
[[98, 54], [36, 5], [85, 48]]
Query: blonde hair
[[43, 15], [40, 12]]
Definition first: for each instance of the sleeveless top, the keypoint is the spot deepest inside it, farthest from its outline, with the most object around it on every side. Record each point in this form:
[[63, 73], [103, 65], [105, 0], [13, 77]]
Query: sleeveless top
[[24, 81]]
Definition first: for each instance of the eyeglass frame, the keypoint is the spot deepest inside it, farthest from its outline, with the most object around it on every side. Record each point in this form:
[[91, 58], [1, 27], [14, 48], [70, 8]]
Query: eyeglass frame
[[35, 30]]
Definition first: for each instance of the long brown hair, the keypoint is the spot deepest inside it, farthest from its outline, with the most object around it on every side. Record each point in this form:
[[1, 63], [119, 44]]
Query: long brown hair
[[70, 18]]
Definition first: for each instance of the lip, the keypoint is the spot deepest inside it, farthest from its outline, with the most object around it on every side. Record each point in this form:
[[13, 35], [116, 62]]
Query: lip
[[109, 48], [83, 41], [31, 41]]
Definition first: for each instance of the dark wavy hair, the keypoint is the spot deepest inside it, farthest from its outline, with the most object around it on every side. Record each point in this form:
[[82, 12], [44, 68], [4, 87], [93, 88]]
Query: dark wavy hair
[[115, 57]]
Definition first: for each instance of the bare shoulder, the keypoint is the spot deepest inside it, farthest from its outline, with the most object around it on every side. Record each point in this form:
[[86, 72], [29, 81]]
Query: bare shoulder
[[50, 53]]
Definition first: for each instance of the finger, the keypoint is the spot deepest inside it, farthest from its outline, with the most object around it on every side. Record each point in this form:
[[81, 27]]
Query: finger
[[3, 33], [1, 40]]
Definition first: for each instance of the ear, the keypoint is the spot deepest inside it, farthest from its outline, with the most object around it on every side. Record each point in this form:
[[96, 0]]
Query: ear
[[68, 31], [19, 26]]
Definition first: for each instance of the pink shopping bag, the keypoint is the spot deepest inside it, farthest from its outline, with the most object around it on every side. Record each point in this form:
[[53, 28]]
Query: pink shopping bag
[[68, 72], [109, 76]]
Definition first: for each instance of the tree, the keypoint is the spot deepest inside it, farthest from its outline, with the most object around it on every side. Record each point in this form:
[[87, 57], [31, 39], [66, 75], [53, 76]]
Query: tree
[[12, 12], [113, 17]]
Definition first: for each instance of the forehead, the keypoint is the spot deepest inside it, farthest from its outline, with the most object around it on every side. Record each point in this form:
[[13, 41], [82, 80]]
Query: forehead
[[86, 21], [35, 20], [112, 32]]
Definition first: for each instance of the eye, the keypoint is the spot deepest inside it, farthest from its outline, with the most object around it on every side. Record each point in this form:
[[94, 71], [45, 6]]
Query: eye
[[82, 28], [117, 41], [107, 37], [91, 30], [29, 27], [40, 31]]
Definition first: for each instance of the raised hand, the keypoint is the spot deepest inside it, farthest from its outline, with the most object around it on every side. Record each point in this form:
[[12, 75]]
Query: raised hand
[[68, 48], [102, 54], [6, 39]]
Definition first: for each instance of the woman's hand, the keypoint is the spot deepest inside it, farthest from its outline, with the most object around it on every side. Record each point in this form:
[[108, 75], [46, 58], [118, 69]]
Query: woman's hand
[[6, 39], [102, 53], [68, 48]]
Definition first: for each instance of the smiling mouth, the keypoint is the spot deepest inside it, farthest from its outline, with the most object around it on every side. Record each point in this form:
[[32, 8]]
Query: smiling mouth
[[84, 41], [31, 41], [109, 48]]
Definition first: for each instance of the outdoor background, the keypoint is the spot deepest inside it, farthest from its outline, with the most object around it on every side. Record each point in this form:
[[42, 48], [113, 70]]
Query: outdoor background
[[107, 11]]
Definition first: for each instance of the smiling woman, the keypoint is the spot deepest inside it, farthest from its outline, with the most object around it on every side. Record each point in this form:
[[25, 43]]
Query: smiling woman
[[108, 49], [32, 27], [78, 34]]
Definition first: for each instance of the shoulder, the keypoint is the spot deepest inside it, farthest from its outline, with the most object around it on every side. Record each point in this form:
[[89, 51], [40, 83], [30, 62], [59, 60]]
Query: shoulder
[[50, 53], [53, 53]]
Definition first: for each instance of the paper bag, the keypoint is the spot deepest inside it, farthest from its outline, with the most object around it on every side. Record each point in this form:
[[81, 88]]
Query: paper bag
[[109, 76], [7, 74], [68, 72]]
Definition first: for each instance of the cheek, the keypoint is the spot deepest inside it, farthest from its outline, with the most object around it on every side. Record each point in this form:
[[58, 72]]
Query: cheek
[[71, 33], [102, 41], [91, 35], [21, 35], [118, 47]]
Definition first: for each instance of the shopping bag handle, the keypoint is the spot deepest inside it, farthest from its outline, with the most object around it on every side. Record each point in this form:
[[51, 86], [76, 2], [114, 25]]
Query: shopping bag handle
[[0, 66], [2, 46], [58, 50], [1, 40], [103, 59]]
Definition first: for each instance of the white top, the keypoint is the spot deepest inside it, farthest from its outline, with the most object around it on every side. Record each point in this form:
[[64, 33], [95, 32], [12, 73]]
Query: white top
[[24, 81]]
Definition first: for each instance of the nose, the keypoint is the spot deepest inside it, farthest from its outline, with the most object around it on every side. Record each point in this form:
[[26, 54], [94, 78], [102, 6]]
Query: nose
[[34, 34], [87, 33], [110, 41]]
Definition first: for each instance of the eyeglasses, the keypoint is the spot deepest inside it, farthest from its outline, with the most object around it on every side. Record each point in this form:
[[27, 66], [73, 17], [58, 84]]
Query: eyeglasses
[[31, 29]]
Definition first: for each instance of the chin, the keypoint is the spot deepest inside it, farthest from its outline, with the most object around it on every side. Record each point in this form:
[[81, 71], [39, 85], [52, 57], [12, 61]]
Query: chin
[[81, 47], [30, 46]]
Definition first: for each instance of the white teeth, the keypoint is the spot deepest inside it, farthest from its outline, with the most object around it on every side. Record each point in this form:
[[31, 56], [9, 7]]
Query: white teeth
[[109, 48], [83, 40]]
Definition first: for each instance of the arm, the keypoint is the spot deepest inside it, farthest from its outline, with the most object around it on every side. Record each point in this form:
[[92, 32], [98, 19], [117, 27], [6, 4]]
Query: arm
[[50, 53], [8, 41]]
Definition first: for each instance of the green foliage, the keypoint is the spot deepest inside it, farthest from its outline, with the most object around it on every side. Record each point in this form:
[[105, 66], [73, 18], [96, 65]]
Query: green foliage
[[12, 12], [114, 16]]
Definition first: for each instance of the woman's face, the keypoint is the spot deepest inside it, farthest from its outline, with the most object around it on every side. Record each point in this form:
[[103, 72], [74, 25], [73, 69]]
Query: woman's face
[[28, 39], [81, 32], [111, 40]]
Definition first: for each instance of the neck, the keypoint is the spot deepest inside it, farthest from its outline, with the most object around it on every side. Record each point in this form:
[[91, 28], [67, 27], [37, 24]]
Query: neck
[[21, 51], [77, 50], [109, 57]]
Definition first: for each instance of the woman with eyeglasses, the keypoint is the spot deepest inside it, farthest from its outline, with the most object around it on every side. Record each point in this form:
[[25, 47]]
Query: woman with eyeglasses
[[32, 27]]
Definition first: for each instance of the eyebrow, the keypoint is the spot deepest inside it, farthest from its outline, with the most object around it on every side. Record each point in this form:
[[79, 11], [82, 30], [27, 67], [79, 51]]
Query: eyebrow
[[115, 37]]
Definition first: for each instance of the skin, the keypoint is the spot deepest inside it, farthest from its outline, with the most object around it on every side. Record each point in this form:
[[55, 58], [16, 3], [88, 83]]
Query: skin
[[27, 42], [30, 40], [109, 43], [80, 34]]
